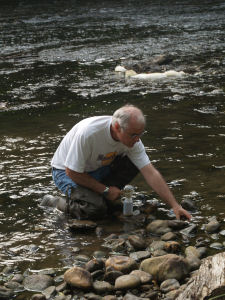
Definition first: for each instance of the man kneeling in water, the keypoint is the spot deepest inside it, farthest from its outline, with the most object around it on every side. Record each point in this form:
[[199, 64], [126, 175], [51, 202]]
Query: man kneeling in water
[[98, 157]]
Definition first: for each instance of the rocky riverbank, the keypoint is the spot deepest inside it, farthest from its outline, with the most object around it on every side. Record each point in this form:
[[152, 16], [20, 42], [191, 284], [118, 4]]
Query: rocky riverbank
[[148, 263]]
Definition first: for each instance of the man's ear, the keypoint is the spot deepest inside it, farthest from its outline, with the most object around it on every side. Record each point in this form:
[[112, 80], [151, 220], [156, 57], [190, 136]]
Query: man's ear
[[117, 127]]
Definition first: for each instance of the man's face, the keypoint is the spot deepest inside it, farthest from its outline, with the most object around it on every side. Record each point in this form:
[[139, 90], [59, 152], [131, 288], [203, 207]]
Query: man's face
[[130, 135]]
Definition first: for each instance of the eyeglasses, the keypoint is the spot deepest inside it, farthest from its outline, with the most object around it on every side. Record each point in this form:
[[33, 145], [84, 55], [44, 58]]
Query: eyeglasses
[[135, 135]]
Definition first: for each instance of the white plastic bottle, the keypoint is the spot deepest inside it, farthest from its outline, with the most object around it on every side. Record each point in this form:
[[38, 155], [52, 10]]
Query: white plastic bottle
[[128, 202]]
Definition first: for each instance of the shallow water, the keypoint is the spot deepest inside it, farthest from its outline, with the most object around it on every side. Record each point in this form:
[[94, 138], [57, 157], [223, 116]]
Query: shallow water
[[57, 65]]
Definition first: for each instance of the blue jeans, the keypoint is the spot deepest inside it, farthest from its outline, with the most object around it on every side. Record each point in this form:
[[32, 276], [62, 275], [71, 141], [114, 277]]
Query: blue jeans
[[65, 183]]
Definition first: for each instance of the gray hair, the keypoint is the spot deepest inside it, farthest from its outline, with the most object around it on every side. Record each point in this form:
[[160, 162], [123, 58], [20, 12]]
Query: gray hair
[[124, 114]]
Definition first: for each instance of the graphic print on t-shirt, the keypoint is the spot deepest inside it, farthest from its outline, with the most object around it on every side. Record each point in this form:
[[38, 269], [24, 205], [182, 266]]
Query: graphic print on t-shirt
[[107, 158]]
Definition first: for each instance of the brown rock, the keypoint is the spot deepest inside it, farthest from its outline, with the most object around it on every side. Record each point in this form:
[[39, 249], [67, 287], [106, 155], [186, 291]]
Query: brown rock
[[78, 277]]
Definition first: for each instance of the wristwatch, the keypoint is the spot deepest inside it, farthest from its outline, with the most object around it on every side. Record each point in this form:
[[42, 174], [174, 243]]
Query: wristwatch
[[106, 191]]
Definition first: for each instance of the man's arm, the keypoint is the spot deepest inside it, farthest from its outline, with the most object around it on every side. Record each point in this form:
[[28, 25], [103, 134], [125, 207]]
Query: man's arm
[[158, 184], [85, 180]]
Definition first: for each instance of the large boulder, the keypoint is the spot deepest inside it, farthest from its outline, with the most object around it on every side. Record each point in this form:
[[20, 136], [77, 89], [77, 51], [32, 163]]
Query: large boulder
[[164, 267]]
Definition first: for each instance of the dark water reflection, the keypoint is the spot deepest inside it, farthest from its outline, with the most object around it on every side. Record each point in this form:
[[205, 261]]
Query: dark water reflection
[[56, 67]]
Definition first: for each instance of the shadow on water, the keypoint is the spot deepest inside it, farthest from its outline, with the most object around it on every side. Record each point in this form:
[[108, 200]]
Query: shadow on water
[[56, 68]]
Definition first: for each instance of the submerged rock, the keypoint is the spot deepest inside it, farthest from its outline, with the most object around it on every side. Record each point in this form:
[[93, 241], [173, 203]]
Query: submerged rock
[[38, 282]]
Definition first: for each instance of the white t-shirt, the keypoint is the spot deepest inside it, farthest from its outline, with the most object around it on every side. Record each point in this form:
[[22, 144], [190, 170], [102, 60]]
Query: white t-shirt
[[89, 146]]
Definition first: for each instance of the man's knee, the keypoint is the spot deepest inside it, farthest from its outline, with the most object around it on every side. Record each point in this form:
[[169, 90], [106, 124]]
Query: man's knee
[[86, 204]]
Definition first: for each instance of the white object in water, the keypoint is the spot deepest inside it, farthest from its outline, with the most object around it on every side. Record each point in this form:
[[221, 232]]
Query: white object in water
[[147, 76], [120, 69], [130, 73], [155, 76], [172, 73], [128, 202]]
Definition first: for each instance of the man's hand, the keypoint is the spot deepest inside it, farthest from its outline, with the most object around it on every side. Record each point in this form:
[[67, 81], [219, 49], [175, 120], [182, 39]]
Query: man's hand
[[180, 212], [113, 193]]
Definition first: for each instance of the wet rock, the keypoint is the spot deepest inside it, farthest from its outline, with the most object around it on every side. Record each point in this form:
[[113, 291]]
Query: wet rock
[[137, 242], [169, 285], [218, 246], [156, 245], [37, 282], [188, 204], [94, 264], [8, 270], [130, 296], [78, 277], [81, 225], [118, 245], [123, 264], [109, 297], [202, 252], [140, 255], [99, 231], [144, 277], [159, 252], [18, 278], [192, 256], [92, 296], [212, 226], [61, 287], [38, 297], [190, 230], [49, 292], [5, 293], [169, 236], [172, 247], [82, 258], [127, 282], [169, 266], [97, 275], [102, 287], [111, 276], [160, 227], [191, 251], [13, 285], [99, 254]]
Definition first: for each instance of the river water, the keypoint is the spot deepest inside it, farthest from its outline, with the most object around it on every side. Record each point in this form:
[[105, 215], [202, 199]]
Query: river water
[[57, 61]]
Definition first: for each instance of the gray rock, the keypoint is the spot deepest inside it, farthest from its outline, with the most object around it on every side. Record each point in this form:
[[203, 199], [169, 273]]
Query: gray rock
[[140, 255], [169, 285], [5, 293], [37, 282], [156, 245], [18, 278], [38, 297], [212, 226], [218, 246], [49, 292], [188, 204], [94, 264], [13, 285], [190, 230], [102, 287], [92, 296]]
